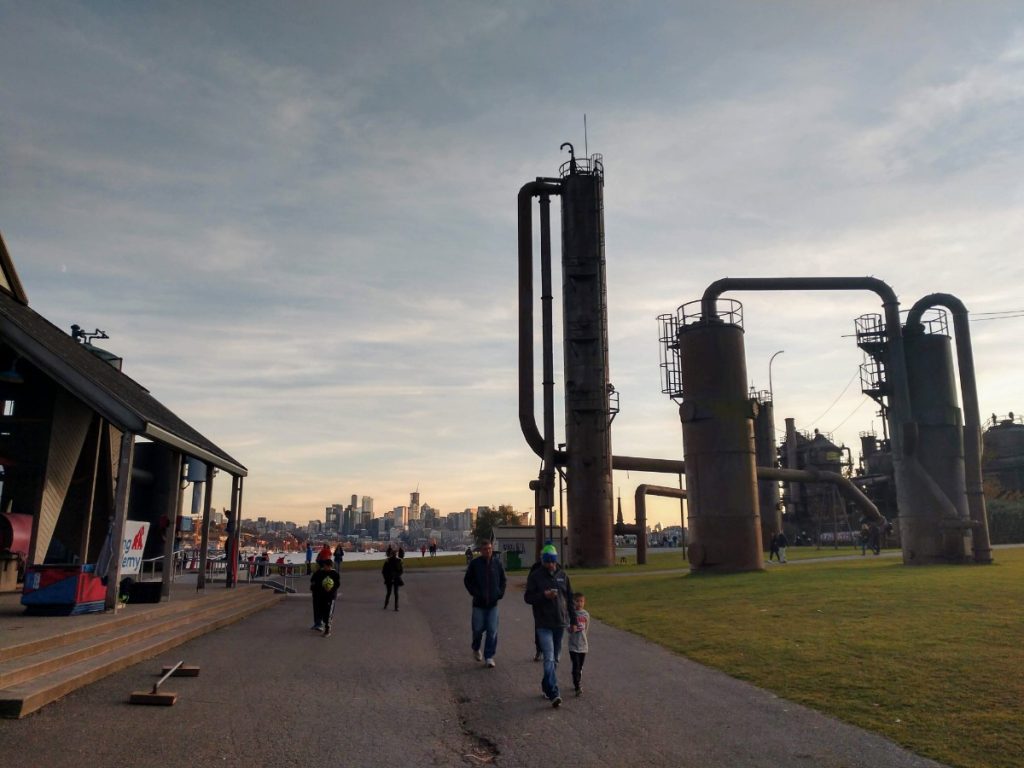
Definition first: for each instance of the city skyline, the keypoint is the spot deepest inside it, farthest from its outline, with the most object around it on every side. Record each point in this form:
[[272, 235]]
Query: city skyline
[[298, 226]]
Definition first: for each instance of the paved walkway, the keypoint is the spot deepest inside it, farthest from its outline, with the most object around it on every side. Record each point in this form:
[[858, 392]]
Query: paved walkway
[[402, 688]]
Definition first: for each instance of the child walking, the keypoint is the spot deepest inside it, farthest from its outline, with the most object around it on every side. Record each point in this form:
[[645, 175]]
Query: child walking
[[578, 645], [324, 586], [392, 572]]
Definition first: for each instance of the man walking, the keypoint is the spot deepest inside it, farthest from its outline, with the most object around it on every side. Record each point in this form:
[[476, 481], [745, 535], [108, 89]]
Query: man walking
[[549, 592], [485, 581]]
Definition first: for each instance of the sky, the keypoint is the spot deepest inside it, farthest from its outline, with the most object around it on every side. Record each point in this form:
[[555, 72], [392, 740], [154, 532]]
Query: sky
[[297, 221]]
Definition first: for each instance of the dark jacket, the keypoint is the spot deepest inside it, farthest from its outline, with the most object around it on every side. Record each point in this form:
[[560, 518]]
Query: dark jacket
[[548, 613], [316, 583], [485, 581], [392, 571]]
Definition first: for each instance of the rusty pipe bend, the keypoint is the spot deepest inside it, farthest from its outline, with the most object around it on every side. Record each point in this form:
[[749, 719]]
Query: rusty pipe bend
[[845, 486], [720, 286], [900, 399], [640, 506], [527, 417]]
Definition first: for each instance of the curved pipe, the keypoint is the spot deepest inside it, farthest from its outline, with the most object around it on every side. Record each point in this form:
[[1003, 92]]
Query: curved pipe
[[972, 418], [891, 307], [527, 418], [640, 503], [845, 487]]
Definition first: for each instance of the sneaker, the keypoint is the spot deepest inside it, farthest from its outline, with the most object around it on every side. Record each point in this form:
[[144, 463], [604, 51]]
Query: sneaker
[[478, 655], [317, 627], [538, 656], [556, 702], [327, 631], [490, 663], [579, 691]]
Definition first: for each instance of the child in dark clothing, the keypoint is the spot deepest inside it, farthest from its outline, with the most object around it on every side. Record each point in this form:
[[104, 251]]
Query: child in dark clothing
[[392, 572], [324, 586]]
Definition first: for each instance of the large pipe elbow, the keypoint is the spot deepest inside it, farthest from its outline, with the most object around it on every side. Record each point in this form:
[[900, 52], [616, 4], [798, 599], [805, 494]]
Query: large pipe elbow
[[843, 484], [720, 286], [527, 415]]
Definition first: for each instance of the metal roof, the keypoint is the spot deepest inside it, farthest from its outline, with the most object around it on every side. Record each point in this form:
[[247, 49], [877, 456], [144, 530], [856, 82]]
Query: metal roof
[[116, 397]]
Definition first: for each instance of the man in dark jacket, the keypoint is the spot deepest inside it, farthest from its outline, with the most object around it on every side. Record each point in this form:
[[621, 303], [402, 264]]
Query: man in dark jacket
[[549, 592], [485, 581]]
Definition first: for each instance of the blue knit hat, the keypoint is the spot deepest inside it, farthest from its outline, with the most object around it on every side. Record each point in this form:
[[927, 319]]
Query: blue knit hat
[[549, 554]]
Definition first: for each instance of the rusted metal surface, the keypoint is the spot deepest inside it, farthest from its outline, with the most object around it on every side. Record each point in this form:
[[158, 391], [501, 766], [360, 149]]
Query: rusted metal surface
[[718, 445], [585, 353]]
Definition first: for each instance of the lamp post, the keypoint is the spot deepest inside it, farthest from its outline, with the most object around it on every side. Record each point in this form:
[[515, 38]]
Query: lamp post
[[771, 392]]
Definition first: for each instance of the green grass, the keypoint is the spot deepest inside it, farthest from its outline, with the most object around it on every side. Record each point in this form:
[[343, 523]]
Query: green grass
[[931, 657], [665, 559]]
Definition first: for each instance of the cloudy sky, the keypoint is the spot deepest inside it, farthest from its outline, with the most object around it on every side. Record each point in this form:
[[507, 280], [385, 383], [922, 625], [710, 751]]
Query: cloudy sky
[[296, 220]]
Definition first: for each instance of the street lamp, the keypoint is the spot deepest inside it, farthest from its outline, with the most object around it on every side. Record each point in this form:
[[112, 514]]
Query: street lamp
[[771, 392]]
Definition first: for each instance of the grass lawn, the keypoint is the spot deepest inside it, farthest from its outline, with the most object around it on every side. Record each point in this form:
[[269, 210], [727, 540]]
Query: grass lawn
[[664, 559], [932, 657]]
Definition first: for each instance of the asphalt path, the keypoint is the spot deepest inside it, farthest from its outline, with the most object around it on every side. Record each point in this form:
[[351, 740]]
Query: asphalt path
[[402, 688]]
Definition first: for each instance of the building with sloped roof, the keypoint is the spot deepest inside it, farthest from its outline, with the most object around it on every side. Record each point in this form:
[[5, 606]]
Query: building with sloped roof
[[83, 450]]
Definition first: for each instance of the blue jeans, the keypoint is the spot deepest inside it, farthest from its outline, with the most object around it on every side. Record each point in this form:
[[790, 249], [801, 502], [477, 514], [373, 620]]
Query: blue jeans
[[551, 646], [485, 620]]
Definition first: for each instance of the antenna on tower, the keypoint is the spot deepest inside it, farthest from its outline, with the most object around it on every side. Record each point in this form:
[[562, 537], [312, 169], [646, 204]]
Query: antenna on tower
[[586, 147]]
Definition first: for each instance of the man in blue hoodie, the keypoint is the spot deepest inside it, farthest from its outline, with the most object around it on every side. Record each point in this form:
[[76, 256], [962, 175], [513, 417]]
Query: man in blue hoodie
[[549, 592], [485, 581]]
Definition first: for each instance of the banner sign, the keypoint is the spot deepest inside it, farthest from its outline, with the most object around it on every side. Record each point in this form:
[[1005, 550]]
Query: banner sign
[[132, 545]]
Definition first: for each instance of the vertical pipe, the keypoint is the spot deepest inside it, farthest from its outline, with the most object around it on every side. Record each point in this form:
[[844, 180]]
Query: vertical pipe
[[547, 325], [767, 490], [791, 463]]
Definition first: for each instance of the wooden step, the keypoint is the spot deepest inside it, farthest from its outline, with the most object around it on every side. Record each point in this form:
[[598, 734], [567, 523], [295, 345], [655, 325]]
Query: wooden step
[[105, 637], [25, 697], [109, 623]]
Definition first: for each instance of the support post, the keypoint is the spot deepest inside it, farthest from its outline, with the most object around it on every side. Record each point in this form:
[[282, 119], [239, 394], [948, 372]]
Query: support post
[[204, 545], [173, 511], [122, 490]]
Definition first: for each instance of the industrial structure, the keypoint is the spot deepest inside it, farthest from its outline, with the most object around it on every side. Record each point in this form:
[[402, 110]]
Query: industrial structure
[[730, 462]]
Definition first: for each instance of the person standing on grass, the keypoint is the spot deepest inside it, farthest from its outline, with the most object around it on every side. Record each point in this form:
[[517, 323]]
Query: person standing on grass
[[339, 555], [485, 581], [549, 592], [324, 586], [578, 645], [781, 542], [309, 557], [773, 547], [392, 572]]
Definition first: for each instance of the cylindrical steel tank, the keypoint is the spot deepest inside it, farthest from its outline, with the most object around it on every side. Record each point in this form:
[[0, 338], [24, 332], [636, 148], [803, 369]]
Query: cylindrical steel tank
[[926, 529], [585, 350], [718, 445]]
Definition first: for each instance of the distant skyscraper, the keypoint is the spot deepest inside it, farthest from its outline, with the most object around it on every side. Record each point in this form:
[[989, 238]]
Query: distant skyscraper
[[414, 505], [401, 516], [368, 505], [355, 501]]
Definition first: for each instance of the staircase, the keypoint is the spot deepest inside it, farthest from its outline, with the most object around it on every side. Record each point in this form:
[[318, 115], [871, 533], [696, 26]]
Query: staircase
[[41, 670]]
